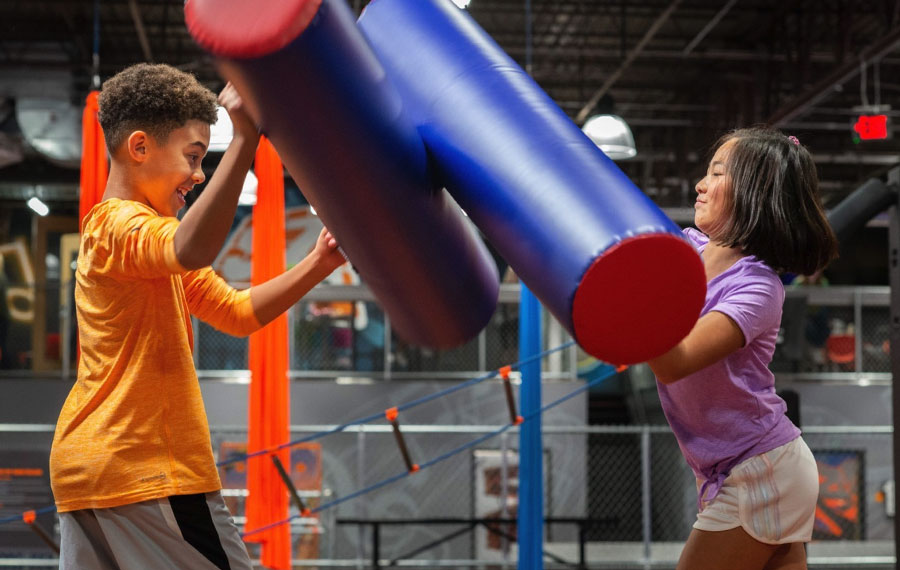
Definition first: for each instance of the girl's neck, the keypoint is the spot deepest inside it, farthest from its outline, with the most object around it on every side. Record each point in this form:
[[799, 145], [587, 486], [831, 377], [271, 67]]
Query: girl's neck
[[717, 258]]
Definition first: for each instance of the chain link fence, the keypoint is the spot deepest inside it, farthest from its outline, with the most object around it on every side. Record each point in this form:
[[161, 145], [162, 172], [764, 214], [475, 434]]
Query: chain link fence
[[622, 495], [841, 332], [615, 496]]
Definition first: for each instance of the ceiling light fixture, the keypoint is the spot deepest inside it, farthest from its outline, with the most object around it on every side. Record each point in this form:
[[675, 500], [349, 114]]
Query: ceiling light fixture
[[612, 134], [38, 206]]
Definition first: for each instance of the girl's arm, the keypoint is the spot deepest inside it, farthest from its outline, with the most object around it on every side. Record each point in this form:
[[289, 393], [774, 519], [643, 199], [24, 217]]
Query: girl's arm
[[714, 337]]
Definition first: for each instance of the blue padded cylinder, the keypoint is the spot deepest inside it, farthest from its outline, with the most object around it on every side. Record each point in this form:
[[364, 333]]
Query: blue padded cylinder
[[607, 263], [312, 84]]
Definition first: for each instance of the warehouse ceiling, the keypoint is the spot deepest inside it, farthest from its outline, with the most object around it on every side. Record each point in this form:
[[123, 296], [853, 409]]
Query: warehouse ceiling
[[681, 72]]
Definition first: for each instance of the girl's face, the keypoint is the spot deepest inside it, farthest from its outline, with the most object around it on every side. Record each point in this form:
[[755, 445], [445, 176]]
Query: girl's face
[[713, 206]]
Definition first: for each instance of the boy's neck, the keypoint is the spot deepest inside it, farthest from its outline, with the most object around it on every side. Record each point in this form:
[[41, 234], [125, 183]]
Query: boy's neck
[[120, 184]]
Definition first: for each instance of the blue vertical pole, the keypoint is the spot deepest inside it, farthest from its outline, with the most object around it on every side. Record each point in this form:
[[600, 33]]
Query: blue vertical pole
[[531, 462], [531, 480]]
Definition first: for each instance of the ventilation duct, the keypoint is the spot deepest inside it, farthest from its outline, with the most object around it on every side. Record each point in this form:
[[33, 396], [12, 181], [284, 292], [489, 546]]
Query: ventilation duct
[[53, 128]]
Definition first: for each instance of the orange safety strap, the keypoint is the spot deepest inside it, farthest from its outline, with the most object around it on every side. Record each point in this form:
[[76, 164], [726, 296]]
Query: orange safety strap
[[514, 418], [391, 415]]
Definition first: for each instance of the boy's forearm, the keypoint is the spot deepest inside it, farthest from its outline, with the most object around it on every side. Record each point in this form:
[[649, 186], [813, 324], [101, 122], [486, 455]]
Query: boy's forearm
[[280, 293], [205, 226]]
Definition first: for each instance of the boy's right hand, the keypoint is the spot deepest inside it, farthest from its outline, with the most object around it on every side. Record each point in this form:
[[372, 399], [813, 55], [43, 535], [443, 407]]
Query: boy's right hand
[[240, 119]]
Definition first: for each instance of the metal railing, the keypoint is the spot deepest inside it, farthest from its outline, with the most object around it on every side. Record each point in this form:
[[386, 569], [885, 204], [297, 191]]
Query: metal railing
[[642, 529]]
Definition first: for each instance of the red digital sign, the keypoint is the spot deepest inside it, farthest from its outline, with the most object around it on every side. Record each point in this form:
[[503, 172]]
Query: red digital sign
[[871, 127]]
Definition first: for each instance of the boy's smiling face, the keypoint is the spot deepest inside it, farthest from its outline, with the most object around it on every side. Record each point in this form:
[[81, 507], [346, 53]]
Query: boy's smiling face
[[170, 169]]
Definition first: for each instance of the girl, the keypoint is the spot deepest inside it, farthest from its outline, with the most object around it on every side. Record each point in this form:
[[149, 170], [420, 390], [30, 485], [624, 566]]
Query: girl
[[759, 214]]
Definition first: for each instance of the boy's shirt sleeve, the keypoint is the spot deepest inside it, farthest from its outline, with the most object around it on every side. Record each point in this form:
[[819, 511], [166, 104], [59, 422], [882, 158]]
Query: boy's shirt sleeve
[[216, 302], [142, 243]]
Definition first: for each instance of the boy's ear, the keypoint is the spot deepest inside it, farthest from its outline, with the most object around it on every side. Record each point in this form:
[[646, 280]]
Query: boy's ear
[[136, 145]]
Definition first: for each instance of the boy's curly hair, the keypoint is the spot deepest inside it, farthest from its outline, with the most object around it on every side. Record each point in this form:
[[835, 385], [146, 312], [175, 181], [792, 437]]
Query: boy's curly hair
[[155, 98]]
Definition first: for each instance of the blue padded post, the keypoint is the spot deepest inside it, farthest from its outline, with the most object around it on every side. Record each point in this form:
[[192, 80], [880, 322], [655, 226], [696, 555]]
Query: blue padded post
[[603, 259], [313, 85], [530, 514]]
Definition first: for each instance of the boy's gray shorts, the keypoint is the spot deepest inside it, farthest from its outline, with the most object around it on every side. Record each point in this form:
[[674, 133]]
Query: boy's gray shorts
[[181, 531]]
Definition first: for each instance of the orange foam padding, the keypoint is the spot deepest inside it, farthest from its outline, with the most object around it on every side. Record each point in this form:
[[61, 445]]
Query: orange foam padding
[[639, 298], [241, 29], [29, 517], [391, 414]]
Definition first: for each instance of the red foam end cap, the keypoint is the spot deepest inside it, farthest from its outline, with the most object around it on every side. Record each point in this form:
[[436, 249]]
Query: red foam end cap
[[241, 29], [639, 298]]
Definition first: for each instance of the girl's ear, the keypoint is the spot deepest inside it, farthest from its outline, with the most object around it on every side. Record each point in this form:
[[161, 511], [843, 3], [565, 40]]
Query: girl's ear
[[136, 145]]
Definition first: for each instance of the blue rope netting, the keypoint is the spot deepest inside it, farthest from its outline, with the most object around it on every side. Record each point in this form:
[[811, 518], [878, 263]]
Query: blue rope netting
[[610, 370]]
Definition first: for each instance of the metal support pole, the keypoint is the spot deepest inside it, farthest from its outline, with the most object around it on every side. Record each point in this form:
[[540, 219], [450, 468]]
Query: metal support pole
[[572, 351], [894, 280], [387, 348], [582, 542], [857, 332], [67, 325], [645, 494], [195, 350], [376, 545], [361, 510], [504, 491], [482, 350]]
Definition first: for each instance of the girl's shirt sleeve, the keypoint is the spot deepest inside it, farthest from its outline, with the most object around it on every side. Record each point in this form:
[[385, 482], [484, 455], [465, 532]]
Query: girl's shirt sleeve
[[754, 302]]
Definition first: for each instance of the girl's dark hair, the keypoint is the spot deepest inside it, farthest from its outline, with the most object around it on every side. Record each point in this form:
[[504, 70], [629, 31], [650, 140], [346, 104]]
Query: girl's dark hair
[[777, 215], [155, 98]]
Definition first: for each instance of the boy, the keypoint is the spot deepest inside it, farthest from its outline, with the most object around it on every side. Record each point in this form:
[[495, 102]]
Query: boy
[[131, 467]]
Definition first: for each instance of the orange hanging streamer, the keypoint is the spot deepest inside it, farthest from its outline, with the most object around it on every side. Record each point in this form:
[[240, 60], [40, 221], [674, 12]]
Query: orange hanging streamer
[[94, 167], [269, 391]]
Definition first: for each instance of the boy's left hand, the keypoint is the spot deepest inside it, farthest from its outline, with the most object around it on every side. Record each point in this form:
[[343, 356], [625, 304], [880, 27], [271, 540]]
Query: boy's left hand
[[326, 252]]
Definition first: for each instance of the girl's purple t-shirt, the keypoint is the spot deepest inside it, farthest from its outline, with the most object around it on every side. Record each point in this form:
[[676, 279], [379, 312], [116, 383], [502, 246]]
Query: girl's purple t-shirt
[[729, 412]]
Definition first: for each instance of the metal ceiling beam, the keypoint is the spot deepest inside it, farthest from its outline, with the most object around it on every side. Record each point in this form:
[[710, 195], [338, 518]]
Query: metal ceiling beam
[[139, 27], [708, 27], [51, 192], [610, 53], [845, 72], [632, 55]]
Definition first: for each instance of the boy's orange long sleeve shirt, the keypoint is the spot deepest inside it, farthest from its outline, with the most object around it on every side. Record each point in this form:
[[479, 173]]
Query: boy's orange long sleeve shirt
[[134, 427]]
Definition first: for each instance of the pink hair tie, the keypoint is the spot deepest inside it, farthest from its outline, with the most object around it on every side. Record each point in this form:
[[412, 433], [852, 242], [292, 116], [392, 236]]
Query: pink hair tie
[[794, 140]]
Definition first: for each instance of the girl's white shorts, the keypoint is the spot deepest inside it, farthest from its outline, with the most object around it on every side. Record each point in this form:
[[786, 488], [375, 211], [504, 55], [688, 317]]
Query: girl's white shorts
[[772, 496]]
